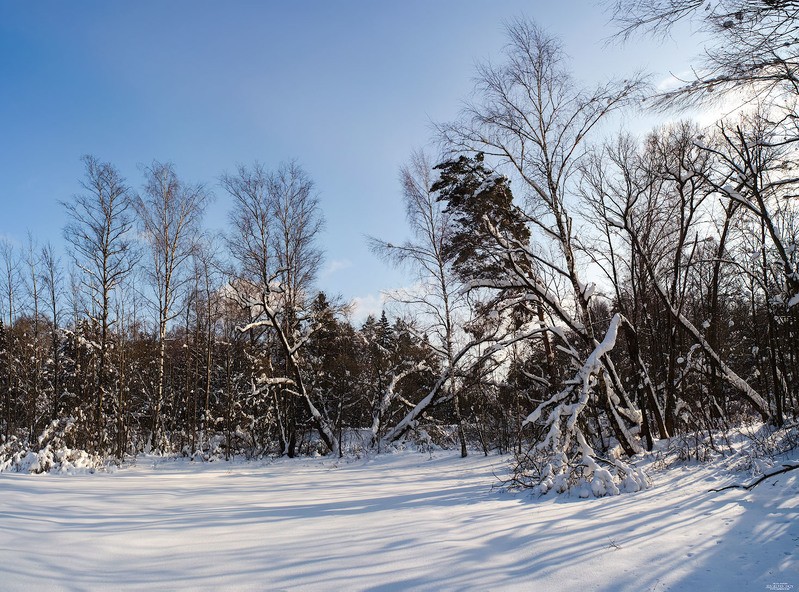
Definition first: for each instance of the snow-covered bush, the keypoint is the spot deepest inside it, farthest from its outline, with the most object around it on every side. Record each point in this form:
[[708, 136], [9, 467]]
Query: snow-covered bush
[[582, 473], [50, 452], [752, 448]]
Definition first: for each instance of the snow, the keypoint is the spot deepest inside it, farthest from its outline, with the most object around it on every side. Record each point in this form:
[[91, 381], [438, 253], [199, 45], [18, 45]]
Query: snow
[[405, 521]]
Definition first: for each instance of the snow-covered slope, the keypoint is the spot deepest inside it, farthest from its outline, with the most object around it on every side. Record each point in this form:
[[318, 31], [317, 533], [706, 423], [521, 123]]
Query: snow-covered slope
[[396, 522]]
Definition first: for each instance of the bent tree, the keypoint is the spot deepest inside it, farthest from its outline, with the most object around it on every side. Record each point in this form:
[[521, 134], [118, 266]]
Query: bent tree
[[492, 248], [532, 119], [438, 295]]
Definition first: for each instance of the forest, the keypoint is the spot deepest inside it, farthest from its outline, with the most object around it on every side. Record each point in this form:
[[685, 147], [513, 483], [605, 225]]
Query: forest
[[579, 294]]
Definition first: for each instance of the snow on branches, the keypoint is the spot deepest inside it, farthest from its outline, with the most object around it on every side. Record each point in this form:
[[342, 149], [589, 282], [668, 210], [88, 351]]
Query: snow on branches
[[563, 459]]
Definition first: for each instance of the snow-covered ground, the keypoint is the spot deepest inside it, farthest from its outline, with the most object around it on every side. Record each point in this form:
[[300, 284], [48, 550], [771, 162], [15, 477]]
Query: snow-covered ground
[[396, 522]]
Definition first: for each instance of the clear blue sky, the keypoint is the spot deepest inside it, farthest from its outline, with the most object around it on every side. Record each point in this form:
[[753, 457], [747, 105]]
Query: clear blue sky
[[348, 88]]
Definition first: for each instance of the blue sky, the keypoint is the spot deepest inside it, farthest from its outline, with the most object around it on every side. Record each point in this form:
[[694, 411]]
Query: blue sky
[[347, 88]]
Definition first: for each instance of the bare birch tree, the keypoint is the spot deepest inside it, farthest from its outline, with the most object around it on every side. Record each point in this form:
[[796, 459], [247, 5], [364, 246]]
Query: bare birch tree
[[170, 212], [439, 294], [53, 285], [99, 237], [10, 279], [276, 221]]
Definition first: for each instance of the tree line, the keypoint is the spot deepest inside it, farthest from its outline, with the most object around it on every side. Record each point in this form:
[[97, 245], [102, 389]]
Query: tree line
[[578, 295], [157, 337]]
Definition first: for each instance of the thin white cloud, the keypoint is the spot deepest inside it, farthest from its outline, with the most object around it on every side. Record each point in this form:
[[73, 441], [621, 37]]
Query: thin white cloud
[[726, 105], [672, 81], [731, 104], [401, 301], [363, 306], [336, 265]]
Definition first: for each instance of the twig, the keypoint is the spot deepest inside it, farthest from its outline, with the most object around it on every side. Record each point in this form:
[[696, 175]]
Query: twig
[[758, 481]]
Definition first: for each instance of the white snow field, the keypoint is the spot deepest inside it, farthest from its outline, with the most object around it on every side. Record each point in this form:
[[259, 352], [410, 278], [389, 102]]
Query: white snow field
[[402, 521]]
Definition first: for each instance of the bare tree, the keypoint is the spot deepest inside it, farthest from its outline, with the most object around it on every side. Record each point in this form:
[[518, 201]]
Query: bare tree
[[36, 397], [10, 277], [758, 174], [207, 283], [170, 212], [658, 200], [439, 293], [53, 285], [8, 380], [99, 237], [757, 177], [276, 221], [533, 118], [298, 222], [611, 172], [750, 44]]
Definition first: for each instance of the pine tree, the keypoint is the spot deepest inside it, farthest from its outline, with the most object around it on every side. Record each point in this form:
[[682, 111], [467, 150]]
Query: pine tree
[[478, 197]]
